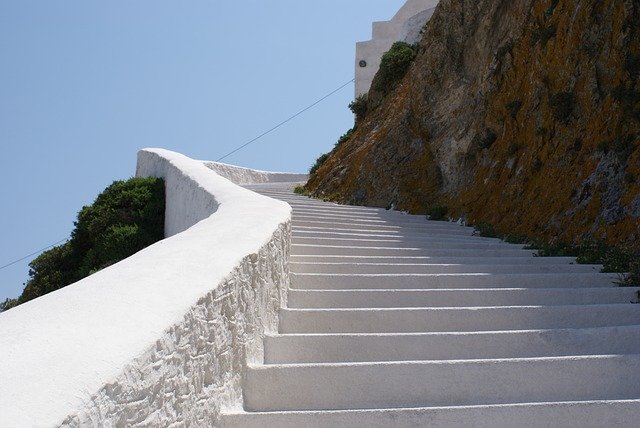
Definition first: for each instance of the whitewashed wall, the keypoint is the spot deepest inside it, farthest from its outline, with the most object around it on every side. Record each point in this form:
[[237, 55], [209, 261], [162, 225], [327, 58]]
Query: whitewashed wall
[[404, 26], [244, 176], [161, 338]]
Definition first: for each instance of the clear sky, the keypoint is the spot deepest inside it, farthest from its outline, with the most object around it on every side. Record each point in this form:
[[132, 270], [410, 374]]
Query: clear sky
[[85, 84]]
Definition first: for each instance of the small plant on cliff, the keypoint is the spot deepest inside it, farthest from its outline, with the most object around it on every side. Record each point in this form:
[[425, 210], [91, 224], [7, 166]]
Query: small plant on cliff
[[562, 105], [125, 218], [486, 230], [359, 107], [438, 213], [321, 159], [513, 108], [489, 137], [542, 34], [513, 149], [8, 304], [394, 65], [345, 137], [622, 147], [300, 190]]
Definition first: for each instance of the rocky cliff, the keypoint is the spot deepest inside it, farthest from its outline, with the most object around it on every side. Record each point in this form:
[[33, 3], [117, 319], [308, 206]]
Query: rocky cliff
[[521, 113]]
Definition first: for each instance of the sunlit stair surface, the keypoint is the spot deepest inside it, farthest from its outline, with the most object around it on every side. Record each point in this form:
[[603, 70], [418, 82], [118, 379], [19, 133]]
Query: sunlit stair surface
[[396, 321]]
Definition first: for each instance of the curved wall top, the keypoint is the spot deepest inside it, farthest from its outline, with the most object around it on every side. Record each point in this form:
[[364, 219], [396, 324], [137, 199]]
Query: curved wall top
[[161, 337], [404, 26], [242, 176]]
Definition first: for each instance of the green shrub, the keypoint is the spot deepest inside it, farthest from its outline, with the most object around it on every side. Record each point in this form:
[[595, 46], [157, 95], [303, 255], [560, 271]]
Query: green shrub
[[622, 147], [394, 65], [514, 107], [514, 239], [488, 139], [562, 105], [632, 65], [300, 190], [536, 165], [552, 7], [359, 107], [321, 159], [438, 213], [486, 229], [513, 149], [542, 34], [631, 278], [8, 304], [345, 137], [553, 249], [125, 218]]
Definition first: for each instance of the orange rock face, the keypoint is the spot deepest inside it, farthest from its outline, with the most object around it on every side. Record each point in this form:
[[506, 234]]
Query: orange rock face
[[521, 113]]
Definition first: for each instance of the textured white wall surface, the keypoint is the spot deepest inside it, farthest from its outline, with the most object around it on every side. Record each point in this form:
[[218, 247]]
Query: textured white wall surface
[[404, 26], [242, 176], [161, 338]]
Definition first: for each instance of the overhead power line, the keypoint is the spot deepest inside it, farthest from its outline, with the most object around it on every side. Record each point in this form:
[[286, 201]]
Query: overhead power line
[[32, 254], [286, 121]]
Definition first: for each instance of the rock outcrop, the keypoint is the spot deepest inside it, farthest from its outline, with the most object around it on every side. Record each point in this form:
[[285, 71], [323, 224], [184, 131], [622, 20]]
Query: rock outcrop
[[521, 113]]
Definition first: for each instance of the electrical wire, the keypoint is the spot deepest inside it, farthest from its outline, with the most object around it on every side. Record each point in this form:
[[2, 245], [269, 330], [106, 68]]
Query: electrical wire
[[285, 121], [32, 254], [315, 103]]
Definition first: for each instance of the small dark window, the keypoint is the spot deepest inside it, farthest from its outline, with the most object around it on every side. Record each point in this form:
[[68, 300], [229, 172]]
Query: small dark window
[[362, 63]]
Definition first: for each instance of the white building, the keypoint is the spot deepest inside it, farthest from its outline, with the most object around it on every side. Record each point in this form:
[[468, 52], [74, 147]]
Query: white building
[[404, 26]]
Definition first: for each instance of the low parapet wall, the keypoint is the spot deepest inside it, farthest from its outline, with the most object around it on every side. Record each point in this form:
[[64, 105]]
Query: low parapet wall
[[161, 338], [242, 176]]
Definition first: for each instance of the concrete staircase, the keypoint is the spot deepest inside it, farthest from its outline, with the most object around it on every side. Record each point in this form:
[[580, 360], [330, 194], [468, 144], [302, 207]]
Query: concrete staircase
[[396, 321]]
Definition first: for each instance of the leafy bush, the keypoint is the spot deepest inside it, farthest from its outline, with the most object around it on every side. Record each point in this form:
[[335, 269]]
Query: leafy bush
[[514, 107], [321, 159], [486, 229], [300, 190], [621, 259], [513, 149], [562, 105], [346, 136], [488, 139], [622, 147], [8, 304], [394, 65], [438, 213], [125, 218], [515, 239], [542, 34], [536, 165], [359, 107]]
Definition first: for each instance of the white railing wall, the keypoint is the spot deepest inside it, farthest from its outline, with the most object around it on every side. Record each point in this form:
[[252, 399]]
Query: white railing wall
[[161, 338]]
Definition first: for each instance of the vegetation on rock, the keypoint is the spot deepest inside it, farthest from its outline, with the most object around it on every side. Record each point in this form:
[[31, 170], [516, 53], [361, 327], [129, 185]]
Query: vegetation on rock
[[521, 114], [125, 218]]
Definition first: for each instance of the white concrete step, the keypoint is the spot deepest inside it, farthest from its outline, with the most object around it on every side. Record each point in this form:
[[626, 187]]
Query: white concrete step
[[404, 224], [359, 234], [391, 268], [394, 320], [338, 250], [572, 414], [297, 258], [426, 243], [452, 319], [337, 348], [398, 298], [374, 225], [370, 217], [327, 281], [440, 383]]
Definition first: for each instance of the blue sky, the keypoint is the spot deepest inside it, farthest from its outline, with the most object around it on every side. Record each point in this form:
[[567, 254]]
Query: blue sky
[[85, 84]]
